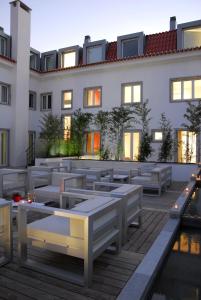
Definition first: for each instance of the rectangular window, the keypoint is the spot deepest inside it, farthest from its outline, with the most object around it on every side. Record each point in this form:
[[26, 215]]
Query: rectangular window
[[32, 100], [67, 127], [131, 92], [3, 46], [67, 99], [94, 54], [157, 136], [192, 37], [4, 136], [46, 101], [49, 62], [130, 47], [92, 97], [4, 93], [186, 89], [68, 59], [93, 142], [186, 146], [33, 61], [131, 145]]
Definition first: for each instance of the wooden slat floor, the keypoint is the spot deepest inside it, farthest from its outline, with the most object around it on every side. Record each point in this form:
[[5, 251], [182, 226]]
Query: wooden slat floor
[[111, 272]]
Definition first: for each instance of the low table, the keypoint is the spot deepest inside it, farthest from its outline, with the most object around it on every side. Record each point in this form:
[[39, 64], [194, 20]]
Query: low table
[[121, 178]]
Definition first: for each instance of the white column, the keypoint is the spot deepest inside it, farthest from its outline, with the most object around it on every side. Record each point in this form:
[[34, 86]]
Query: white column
[[20, 33]]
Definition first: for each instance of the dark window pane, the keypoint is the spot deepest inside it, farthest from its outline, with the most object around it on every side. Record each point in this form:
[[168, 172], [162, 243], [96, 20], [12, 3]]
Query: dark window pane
[[49, 102], [31, 101], [130, 47]]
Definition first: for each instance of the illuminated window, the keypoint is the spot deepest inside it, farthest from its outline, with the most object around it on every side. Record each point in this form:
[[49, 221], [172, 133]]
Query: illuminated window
[[131, 145], [4, 93], [93, 142], [186, 146], [192, 37], [4, 135], [157, 136], [46, 101], [92, 97], [3, 46], [69, 59], [94, 54], [130, 47], [67, 126], [67, 98], [132, 93], [186, 89]]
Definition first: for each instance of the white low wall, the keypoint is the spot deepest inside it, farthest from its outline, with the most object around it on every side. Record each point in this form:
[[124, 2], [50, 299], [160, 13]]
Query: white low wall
[[180, 172]]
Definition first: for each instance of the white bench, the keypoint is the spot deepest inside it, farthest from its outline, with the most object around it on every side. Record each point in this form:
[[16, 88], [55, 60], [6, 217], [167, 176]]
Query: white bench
[[158, 179], [12, 180], [130, 195], [83, 232], [5, 231]]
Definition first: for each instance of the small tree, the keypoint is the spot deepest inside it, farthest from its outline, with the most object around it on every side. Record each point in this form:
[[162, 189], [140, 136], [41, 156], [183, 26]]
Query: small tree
[[80, 122], [142, 112], [165, 151], [121, 119], [101, 120], [193, 118], [51, 130]]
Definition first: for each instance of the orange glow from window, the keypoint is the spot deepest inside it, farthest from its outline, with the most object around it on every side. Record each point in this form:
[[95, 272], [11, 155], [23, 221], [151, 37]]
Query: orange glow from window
[[96, 142], [97, 97]]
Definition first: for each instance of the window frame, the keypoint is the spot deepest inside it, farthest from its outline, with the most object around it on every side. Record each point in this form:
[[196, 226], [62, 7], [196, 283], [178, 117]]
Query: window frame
[[85, 105], [131, 131], [182, 79], [121, 39], [34, 100], [64, 129], [154, 140], [62, 100], [8, 87], [41, 103], [123, 85], [180, 32], [5, 45], [92, 132], [101, 43], [66, 50]]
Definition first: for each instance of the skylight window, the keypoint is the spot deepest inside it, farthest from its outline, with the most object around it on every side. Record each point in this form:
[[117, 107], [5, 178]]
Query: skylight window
[[130, 47], [94, 54]]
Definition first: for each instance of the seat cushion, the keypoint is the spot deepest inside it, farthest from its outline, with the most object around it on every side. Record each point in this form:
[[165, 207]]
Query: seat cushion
[[49, 193]]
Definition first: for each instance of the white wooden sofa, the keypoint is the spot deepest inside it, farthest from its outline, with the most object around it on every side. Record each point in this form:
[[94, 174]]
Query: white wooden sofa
[[158, 180], [130, 195], [58, 182], [12, 180], [5, 231], [84, 232], [95, 174]]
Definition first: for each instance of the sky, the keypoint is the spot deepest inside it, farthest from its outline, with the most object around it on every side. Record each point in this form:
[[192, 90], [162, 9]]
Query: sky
[[57, 24]]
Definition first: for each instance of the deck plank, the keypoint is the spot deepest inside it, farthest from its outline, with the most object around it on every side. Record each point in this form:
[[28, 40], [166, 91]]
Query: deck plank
[[111, 272]]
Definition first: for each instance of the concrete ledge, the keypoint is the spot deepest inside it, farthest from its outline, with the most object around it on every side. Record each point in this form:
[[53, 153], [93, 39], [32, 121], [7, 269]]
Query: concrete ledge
[[141, 281]]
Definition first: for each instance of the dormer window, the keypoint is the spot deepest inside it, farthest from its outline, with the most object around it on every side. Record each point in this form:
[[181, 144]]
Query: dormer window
[[189, 35], [130, 45], [49, 60], [68, 57], [94, 52], [192, 37], [33, 61], [3, 48]]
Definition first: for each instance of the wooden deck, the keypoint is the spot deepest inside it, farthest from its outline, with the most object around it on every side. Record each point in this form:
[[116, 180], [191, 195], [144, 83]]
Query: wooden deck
[[111, 272]]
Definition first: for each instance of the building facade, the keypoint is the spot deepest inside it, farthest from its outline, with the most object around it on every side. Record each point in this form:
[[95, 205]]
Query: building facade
[[164, 68]]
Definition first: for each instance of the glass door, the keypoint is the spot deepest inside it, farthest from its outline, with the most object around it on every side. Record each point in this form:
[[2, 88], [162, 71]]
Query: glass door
[[187, 145], [3, 147], [131, 145]]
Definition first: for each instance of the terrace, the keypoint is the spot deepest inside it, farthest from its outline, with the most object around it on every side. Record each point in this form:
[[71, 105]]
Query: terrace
[[111, 272]]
